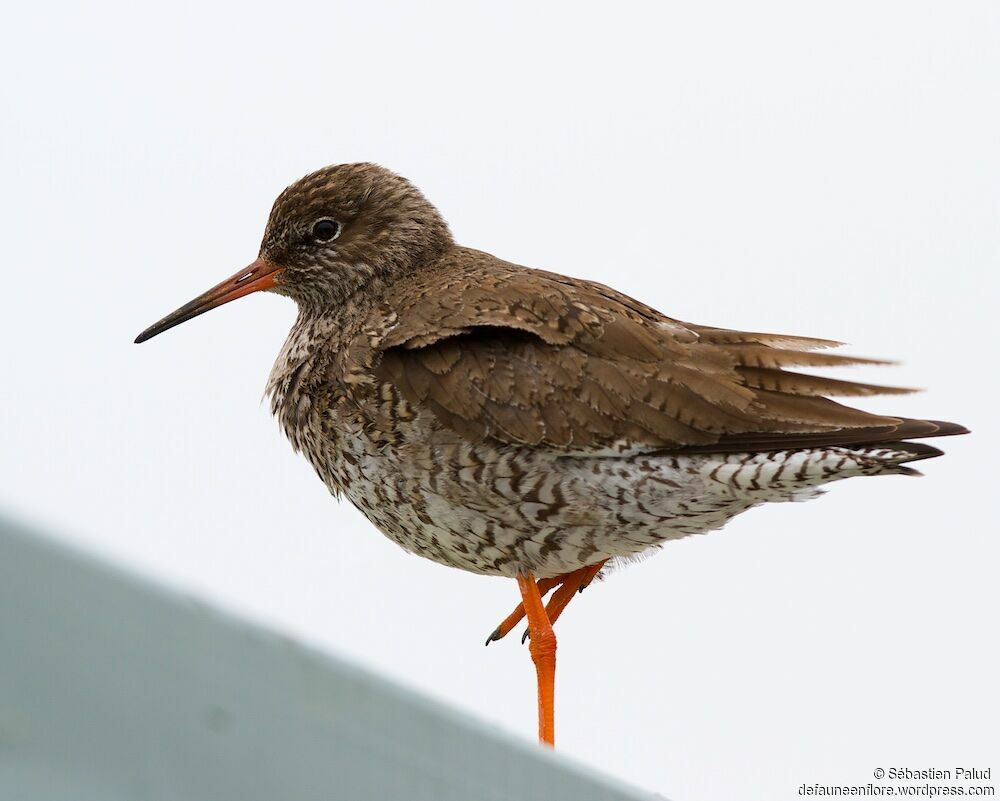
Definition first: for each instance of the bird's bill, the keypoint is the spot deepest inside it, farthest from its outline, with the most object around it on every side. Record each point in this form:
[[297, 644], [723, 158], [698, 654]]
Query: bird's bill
[[255, 277]]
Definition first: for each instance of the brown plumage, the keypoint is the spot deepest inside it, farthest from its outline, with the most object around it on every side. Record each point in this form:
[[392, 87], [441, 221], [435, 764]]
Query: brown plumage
[[516, 422], [527, 357]]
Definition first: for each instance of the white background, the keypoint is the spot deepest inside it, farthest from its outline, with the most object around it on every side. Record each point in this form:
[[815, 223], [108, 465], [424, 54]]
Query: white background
[[822, 169]]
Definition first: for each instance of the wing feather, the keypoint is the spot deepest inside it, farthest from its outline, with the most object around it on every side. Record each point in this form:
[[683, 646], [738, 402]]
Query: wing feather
[[525, 357]]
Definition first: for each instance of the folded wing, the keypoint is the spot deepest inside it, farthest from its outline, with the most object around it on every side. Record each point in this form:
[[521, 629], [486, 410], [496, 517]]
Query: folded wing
[[526, 357]]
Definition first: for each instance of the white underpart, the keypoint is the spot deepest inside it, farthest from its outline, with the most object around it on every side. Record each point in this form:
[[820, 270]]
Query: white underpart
[[560, 513]]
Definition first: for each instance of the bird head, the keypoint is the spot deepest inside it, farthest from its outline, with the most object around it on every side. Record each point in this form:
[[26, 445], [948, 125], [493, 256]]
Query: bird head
[[329, 236]]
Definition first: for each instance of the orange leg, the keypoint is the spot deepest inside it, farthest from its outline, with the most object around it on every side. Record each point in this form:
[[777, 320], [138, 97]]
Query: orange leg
[[568, 584], [575, 582], [507, 626], [543, 654]]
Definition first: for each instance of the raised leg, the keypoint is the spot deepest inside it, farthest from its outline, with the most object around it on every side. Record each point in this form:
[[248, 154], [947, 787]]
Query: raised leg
[[507, 626], [543, 654], [568, 584], [575, 582]]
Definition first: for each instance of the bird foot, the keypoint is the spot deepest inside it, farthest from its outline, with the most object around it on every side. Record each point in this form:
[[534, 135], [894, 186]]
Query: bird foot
[[566, 586]]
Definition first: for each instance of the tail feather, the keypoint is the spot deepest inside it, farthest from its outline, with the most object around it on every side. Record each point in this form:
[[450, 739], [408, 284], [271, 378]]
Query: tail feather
[[792, 383], [905, 429]]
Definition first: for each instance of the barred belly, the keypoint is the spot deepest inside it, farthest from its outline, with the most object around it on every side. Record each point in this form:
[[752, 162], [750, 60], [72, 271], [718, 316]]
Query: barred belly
[[506, 510]]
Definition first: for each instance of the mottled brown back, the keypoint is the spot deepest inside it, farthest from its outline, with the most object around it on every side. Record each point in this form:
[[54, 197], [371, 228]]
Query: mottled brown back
[[521, 356]]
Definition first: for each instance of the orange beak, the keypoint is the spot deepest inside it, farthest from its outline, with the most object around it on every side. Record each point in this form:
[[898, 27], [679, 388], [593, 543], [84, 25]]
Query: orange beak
[[255, 277]]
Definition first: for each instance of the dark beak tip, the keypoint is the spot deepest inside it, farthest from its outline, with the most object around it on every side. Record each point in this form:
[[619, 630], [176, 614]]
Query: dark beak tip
[[236, 286], [148, 333]]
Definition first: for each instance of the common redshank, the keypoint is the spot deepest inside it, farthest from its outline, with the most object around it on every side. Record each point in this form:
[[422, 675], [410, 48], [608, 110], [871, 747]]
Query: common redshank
[[514, 422]]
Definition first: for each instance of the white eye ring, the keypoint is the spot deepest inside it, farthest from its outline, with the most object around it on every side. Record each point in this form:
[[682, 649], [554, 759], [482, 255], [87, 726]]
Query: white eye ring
[[326, 230]]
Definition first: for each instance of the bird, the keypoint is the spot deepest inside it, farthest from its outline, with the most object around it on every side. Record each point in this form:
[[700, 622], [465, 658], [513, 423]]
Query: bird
[[510, 421]]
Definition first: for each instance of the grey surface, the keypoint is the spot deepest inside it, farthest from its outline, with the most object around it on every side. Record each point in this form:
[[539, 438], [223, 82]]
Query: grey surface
[[111, 688]]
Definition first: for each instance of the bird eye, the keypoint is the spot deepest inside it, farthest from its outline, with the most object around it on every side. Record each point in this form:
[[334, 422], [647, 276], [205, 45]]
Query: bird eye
[[325, 230]]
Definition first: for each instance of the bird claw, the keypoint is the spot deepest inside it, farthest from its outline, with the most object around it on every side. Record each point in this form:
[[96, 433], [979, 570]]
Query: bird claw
[[569, 584]]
